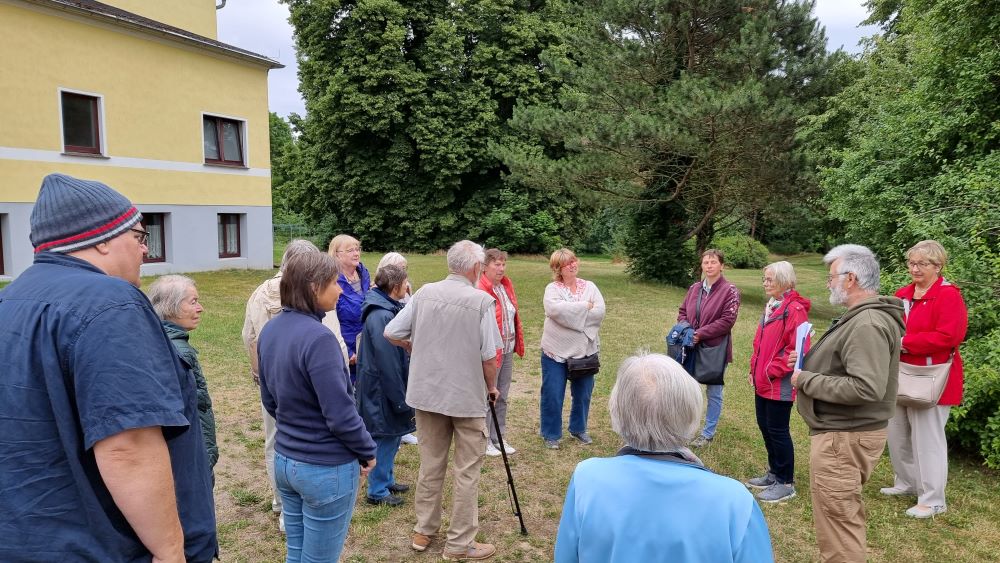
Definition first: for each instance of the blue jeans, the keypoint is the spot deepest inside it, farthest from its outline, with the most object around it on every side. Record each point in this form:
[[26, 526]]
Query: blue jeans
[[554, 393], [317, 501], [714, 410], [772, 419], [382, 477]]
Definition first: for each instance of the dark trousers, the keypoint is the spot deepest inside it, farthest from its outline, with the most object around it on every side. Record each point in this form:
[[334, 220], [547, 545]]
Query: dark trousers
[[772, 419]]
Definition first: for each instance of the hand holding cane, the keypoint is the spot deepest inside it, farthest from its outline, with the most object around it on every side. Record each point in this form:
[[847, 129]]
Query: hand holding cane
[[516, 506]]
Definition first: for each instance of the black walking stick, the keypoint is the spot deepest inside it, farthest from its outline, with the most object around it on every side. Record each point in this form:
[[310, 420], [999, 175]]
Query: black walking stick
[[515, 506]]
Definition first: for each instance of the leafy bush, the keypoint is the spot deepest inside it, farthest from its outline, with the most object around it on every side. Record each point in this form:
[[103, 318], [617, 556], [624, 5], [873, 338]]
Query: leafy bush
[[975, 424], [741, 251], [515, 227]]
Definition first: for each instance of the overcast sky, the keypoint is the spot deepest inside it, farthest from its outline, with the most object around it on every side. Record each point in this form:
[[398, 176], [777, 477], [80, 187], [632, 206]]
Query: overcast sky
[[262, 26]]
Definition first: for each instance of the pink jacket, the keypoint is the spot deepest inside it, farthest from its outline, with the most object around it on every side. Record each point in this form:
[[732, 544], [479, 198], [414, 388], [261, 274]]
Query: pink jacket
[[775, 339]]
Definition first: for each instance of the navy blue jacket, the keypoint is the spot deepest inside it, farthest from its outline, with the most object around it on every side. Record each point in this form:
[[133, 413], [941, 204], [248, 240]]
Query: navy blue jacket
[[304, 385], [382, 371]]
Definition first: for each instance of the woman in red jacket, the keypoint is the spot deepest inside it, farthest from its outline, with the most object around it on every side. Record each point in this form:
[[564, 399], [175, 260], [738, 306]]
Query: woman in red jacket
[[771, 379], [495, 282], [936, 320]]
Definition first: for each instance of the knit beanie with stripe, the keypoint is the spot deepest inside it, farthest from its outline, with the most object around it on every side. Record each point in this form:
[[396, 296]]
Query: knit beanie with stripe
[[72, 214]]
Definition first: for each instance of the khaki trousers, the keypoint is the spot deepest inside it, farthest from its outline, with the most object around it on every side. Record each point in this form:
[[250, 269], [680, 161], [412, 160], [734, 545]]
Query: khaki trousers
[[840, 463], [270, 435], [918, 450], [436, 431]]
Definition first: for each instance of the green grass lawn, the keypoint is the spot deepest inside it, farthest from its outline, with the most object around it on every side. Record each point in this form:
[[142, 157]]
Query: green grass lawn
[[638, 316]]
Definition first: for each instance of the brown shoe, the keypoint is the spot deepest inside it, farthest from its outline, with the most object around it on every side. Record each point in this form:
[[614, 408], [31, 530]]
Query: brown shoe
[[474, 552], [420, 541]]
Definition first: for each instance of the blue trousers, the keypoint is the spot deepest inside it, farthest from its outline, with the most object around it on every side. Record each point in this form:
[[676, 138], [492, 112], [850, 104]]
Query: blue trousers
[[714, 410], [554, 393], [772, 419], [317, 501], [382, 477]]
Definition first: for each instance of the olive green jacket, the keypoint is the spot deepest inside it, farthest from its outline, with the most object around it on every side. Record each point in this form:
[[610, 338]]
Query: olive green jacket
[[189, 356], [848, 379]]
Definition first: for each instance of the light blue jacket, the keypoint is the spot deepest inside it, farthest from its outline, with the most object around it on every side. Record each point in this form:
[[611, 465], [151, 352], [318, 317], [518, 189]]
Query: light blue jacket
[[626, 509]]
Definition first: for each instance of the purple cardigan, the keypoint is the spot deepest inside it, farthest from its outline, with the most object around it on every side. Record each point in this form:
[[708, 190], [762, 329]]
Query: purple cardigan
[[719, 309]]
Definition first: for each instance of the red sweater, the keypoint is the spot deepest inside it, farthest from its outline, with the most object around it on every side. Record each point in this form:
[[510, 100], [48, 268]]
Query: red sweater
[[935, 326], [775, 339]]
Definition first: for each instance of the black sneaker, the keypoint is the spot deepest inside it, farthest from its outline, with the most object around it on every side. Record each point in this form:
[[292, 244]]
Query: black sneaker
[[388, 500], [398, 488]]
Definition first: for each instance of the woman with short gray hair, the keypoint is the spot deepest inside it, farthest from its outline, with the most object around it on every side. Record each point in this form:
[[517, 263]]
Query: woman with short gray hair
[[770, 377], [668, 501], [176, 301]]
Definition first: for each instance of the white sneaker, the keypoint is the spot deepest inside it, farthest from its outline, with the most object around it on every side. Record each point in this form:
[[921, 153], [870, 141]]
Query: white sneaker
[[409, 439], [492, 450], [508, 448]]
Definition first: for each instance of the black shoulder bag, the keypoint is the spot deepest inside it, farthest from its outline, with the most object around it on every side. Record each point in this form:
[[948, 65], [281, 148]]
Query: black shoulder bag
[[709, 361]]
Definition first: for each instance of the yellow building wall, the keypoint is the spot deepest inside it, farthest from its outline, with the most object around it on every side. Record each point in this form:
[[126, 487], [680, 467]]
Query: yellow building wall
[[196, 16], [154, 93]]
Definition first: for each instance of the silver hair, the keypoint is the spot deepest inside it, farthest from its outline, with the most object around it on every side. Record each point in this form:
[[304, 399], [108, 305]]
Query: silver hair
[[167, 295], [295, 248], [784, 274], [858, 260], [655, 405], [464, 256], [391, 259]]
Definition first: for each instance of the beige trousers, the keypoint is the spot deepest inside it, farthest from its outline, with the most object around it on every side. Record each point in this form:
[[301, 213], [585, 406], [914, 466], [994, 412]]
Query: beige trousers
[[919, 452], [840, 463], [436, 432], [270, 431]]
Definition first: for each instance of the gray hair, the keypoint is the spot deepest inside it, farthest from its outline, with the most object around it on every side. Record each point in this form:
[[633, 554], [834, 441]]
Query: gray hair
[[464, 255], [655, 405], [391, 259], [784, 274], [167, 295], [295, 248], [858, 260]]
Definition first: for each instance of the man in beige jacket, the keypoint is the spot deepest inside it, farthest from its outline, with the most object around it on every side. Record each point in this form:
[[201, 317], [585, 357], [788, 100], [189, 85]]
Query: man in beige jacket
[[263, 305], [451, 329]]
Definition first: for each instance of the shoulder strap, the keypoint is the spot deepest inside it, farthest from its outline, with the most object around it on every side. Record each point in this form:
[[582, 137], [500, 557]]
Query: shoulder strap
[[697, 307]]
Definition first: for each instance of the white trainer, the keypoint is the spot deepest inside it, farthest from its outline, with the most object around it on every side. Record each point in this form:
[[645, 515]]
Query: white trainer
[[492, 450]]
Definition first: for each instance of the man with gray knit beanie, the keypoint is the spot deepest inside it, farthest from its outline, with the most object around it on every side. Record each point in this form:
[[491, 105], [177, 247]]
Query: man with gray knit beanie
[[101, 456]]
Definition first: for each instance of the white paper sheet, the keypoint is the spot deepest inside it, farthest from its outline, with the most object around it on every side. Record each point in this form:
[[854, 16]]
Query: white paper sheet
[[801, 334]]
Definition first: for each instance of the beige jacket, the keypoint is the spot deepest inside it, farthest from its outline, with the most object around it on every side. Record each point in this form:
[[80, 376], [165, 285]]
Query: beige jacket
[[263, 305], [571, 330]]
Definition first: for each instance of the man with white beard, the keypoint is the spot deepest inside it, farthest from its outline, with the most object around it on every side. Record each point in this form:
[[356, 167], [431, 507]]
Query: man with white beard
[[847, 394]]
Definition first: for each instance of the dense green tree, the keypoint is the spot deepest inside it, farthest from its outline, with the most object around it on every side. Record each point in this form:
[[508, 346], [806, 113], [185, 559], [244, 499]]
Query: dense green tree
[[687, 109], [912, 153], [403, 98]]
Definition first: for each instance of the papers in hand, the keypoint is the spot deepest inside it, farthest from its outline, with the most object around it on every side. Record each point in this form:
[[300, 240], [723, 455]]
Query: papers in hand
[[801, 334]]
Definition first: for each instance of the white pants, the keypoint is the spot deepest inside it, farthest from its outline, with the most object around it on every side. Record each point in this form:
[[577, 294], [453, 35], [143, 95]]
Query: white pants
[[919, 452], [270, 431]]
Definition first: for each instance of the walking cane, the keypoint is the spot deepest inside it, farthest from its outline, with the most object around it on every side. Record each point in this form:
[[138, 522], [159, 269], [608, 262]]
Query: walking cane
[[516, 506]]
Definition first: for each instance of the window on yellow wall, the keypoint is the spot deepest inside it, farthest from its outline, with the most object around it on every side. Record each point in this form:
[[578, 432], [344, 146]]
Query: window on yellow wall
[[81, 123], [223, 140]]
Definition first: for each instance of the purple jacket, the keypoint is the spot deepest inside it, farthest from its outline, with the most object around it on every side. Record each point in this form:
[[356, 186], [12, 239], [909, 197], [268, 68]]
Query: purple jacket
[[719, 309]]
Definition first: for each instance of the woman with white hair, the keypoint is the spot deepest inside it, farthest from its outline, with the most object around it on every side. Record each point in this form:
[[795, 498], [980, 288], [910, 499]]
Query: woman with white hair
[[175, 300], [655, 501], [770, 377]]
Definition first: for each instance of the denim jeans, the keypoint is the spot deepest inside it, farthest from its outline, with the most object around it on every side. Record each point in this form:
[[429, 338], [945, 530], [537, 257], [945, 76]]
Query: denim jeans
[[714, 410], [317, 501], [772, 419], [382, 477], [554, 393]]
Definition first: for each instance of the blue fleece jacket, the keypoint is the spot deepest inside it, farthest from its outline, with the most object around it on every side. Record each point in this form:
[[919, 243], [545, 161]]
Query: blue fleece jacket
[[305, 387]]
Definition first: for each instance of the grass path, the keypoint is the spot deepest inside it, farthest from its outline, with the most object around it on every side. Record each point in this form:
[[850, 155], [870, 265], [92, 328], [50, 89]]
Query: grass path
[[638, 317]]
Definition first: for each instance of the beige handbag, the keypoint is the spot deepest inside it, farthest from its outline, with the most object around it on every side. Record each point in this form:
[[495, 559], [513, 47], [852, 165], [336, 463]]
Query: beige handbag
[[920, 387]]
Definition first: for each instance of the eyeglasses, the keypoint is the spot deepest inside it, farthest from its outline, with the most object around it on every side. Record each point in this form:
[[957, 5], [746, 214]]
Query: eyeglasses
[[143, 236], [920, 265], [830, 277], [351, 250]]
